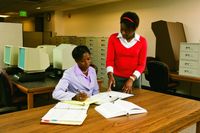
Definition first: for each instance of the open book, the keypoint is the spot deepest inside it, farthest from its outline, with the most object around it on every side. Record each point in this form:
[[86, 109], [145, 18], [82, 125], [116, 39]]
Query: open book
[[109, 96], [102, 97], [119, 108], [63, 113]]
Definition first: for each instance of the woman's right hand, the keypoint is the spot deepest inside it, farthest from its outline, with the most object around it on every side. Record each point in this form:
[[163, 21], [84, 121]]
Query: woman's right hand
[[111, 81], [81, 96]]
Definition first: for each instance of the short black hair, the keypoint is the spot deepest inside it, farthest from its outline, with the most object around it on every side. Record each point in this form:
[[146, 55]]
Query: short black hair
[[130, 19], [78, 52]]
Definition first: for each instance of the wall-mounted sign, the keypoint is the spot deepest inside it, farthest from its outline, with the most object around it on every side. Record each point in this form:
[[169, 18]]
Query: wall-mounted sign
[[23, 13]]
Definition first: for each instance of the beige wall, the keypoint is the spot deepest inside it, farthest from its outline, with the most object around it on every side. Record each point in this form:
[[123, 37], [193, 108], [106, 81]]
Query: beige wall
[[28, 24], [104, 20]]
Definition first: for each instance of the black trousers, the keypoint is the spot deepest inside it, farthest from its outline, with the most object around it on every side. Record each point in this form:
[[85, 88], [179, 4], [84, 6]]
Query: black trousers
[[120, 81]]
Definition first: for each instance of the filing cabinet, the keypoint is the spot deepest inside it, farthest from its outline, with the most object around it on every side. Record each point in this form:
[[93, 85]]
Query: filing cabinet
[[98, 49], [189, 62]]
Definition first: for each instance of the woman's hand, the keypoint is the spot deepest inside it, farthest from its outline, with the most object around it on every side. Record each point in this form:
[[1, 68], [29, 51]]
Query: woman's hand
[[81, 96], [128, 86], [111, 81]]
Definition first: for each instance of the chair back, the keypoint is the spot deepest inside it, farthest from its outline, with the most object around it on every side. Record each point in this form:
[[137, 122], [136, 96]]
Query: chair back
[[5, 90], [158, 75], [149, 58]]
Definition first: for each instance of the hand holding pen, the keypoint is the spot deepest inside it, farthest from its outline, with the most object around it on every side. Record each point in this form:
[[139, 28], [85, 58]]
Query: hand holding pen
[[80, 96]]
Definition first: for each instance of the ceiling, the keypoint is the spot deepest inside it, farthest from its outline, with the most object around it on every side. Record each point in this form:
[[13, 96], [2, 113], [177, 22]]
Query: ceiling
[[12, 7]]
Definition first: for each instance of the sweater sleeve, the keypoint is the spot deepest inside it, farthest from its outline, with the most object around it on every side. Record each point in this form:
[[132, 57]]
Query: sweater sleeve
[[110, 52], [142, 56], [96, 86], [61, 91]]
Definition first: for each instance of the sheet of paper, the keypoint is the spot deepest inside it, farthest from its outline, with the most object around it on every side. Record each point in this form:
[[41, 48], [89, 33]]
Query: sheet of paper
[[130, 108], [109, 96], [109, 110]]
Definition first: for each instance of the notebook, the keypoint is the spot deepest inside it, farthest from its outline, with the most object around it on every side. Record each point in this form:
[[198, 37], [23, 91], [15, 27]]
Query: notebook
[[63, 113]]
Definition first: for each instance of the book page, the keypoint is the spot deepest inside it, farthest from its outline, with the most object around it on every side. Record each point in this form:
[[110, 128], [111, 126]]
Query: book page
[[130, 108], [64, 113], [109, 96], [65, 116], [120, 95], [63, 105], [118, 108], [109, 110], [88, 101]]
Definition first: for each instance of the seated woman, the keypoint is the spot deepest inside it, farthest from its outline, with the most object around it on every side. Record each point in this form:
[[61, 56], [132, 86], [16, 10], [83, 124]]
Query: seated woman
[[79, 81]]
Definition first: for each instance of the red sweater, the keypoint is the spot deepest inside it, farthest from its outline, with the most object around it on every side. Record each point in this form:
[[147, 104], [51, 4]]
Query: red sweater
[[126, 60]]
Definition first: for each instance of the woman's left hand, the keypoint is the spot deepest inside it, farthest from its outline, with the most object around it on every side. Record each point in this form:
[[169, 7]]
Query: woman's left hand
[[128, 86]]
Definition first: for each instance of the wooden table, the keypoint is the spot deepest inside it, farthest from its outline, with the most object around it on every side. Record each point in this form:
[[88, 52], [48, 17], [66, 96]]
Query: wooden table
[[176, 76], [166, 113], [38, 87]]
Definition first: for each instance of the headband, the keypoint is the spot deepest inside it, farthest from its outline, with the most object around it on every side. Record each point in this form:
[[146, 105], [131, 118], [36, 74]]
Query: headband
[[127, 18]]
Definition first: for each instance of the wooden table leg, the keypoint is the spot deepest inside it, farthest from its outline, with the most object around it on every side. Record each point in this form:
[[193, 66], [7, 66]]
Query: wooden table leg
[[198, 127], [30, 100]]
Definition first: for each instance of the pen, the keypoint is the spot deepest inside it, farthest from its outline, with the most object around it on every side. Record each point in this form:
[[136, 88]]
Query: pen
[[115, 99], [82, 96]]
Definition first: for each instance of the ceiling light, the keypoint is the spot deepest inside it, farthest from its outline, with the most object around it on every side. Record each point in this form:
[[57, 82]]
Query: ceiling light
[[38, 8], [4, 16]]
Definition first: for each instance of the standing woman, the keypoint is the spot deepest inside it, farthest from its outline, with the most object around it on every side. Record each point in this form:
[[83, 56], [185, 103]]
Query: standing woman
[[79, 81], [126, 55]]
